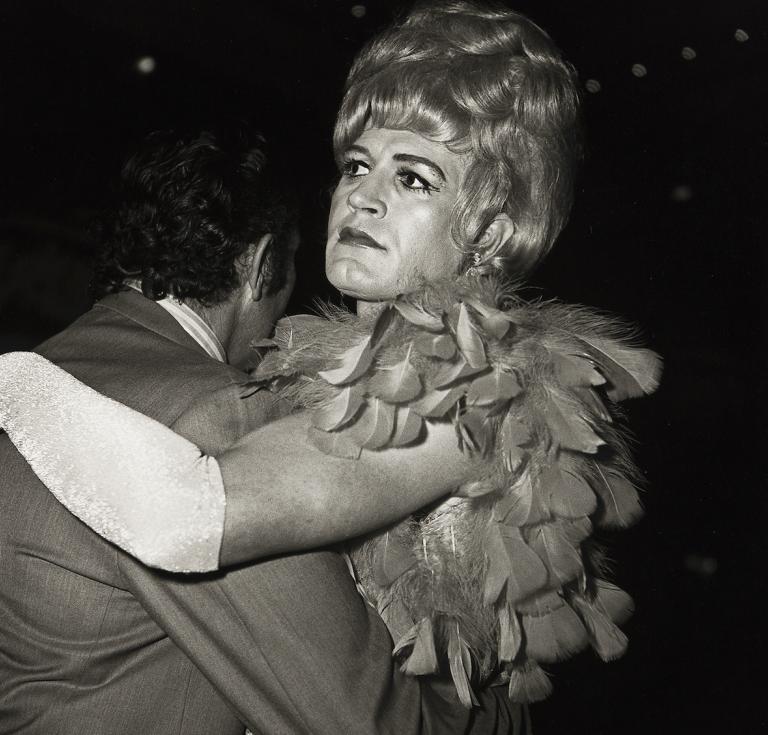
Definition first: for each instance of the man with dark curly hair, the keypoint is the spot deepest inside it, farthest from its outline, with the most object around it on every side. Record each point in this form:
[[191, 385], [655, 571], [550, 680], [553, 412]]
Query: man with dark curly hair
[[205, 231], [195, 262]]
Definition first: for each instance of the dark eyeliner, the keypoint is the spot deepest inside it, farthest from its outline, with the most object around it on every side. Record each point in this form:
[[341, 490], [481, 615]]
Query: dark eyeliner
[[427, 187], [347, 164]]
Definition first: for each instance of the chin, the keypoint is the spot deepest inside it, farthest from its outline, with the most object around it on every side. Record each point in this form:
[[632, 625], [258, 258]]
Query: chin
[[362, 292], [355, 282]]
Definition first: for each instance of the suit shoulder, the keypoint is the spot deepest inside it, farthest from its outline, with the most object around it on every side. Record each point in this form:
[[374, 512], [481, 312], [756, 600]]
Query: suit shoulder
[[218, 419]]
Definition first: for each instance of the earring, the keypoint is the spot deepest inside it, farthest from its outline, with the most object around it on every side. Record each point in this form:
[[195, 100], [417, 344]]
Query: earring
[[476, 260]]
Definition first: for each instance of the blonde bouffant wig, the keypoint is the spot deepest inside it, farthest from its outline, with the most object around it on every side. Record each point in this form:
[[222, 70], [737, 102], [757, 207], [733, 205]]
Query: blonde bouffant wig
[[489, 83]]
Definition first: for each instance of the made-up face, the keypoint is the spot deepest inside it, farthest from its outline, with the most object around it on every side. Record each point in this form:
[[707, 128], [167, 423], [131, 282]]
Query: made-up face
[[389, 229]]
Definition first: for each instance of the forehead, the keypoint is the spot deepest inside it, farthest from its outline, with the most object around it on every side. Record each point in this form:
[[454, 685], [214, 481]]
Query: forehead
[[388, 143]]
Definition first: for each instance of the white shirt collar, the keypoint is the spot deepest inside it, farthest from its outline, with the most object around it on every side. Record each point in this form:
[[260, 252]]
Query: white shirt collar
[[191, 322]]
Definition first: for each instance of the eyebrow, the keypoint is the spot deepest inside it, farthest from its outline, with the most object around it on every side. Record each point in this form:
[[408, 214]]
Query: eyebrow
[[404, 158], [431, 165]]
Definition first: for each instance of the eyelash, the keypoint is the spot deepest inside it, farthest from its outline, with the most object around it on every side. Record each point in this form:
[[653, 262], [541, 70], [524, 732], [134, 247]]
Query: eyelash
[[350, 163], [426, 189]]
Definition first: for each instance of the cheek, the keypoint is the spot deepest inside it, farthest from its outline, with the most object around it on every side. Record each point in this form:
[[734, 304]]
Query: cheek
[[431, 220], [337, 200], [430, 244]]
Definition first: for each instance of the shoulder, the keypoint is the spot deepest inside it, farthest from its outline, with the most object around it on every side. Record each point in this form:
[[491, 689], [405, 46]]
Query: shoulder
[[141, 362], [216, 420]]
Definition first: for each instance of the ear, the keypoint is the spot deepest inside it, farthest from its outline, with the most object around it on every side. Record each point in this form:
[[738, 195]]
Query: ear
[[497, 233], [255, 265]]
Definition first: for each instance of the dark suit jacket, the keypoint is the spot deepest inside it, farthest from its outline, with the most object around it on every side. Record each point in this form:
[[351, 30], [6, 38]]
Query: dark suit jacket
[[92, 642]]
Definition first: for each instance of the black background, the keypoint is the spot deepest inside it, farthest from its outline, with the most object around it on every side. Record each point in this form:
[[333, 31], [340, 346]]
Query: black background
[[667, 231]]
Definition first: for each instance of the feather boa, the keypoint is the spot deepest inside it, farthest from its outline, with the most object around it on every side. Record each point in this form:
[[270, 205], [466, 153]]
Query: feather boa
[[503, 576]]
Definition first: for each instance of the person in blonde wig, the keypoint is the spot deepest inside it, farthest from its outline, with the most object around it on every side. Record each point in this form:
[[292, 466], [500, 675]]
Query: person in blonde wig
[[490, 85], [456, 141]]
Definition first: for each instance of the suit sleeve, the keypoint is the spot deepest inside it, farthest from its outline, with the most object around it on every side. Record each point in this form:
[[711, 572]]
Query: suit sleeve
[[219, 419]]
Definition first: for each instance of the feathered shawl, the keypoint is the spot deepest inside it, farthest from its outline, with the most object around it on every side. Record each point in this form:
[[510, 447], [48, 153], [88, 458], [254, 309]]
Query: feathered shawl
[[502, 576]]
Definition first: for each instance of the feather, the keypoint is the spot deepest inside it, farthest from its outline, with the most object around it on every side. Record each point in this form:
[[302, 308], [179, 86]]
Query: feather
[[334, 443], [477, 559], [419, 317], [475, 489], [593, 402], [606, 638], [423, 658], [495, 323], [409, 638], [556, 551], [396, 617], [374, 425], [613, 601], [554, 636], [510, 634], [511, 562], [261, 343], [469, 341], [352, 364], [450, 373], [541, 603], [436, 403], [514, 507], [620, 506], [441, 346], [460, 663], [272, 366], [409, 426], [291, 331], [630, 371], [497, 385], [574, 371], [340, 410], [567, 494], [515, 436], [575, 529], [477, 430], [528, 683], [569, 429], [395, 559], [396, 384], [381, 326]]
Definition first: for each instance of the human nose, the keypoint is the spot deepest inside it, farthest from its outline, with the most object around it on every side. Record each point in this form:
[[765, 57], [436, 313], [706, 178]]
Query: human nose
[[366, 196]]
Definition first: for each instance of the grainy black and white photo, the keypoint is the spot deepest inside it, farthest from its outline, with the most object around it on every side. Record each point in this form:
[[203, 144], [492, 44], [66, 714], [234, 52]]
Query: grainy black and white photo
[[392, 367]]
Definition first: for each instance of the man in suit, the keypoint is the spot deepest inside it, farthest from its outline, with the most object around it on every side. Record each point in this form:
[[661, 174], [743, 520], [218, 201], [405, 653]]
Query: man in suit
[[197, 263]]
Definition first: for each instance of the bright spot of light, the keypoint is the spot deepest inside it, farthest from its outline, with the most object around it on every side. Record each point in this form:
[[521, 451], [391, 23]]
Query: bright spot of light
[[741, 35], [639, 70], [592, 85], [146, 64], [681, 193], [688, 53], [358, 11]]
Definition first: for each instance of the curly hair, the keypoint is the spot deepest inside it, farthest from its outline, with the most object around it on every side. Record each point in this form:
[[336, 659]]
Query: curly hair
[[190, 206], [490, 83]]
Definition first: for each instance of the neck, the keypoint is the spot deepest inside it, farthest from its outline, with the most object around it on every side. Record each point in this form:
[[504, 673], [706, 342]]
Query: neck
[[221, 318], [370, 308]]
